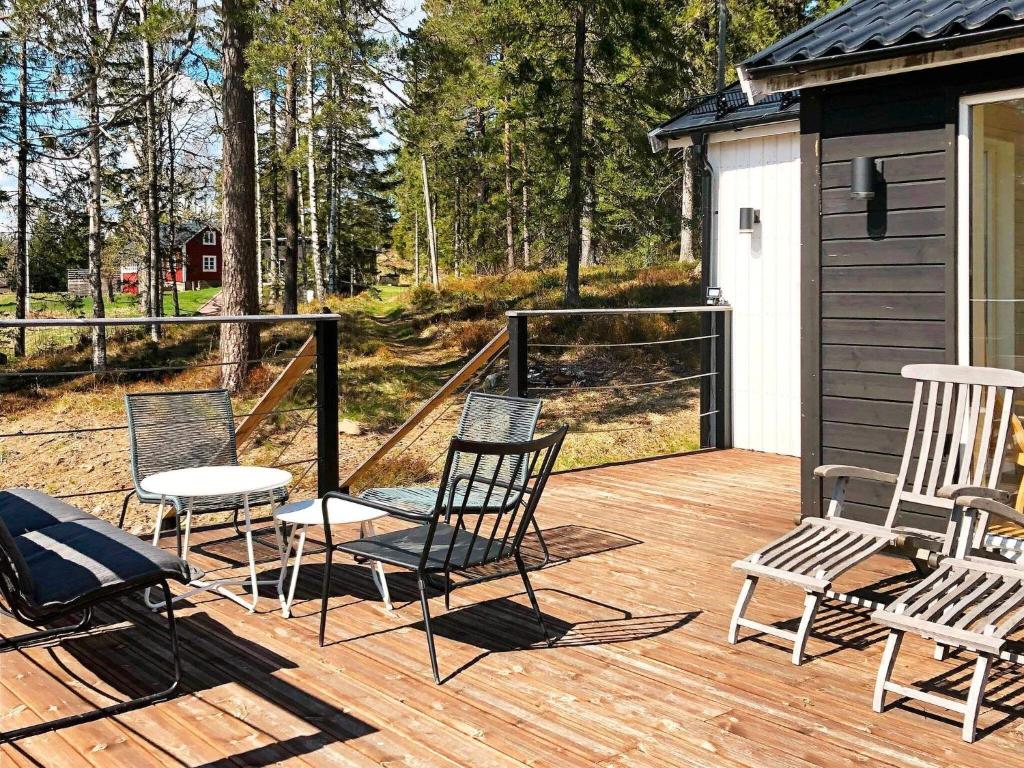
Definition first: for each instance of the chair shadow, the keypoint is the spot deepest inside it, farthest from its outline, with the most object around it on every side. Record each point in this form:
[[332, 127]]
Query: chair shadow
[[134, 659], [1003, 694], [843, 625]]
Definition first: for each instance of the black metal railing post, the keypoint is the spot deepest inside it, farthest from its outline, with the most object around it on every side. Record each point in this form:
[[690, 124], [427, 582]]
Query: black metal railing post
[[326, 405], [517, 358], [722, 378], [707, 383]]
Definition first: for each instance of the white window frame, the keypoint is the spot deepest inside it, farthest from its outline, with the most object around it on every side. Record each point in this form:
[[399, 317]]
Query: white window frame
[[963, 214], [209, 237], [213, 258]]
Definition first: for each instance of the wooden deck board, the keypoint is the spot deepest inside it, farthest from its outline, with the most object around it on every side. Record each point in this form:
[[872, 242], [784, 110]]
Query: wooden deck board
[[640, 596]]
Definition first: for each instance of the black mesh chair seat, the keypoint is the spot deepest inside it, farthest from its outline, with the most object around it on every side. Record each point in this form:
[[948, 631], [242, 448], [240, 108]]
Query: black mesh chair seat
[[485, 501], [405, 548], [421, 500], [182, 430]]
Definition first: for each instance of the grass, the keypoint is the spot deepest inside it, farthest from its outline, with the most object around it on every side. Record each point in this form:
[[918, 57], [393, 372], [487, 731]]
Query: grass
[[397, 347]]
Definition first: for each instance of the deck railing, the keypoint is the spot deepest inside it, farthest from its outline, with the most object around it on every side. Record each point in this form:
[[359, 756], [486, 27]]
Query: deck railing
[[293, 345], [711, 334]]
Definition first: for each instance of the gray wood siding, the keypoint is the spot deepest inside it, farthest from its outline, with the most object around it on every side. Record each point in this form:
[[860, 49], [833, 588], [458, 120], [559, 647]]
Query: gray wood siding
[[884, 267], [878, 277]]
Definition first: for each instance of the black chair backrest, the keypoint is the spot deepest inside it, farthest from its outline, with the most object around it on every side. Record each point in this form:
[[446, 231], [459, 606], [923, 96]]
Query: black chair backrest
[[180, 430], [497, 533]]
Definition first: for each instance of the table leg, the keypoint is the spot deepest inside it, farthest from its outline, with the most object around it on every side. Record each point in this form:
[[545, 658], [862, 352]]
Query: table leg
[[376, 568], [253, 583], [188, 528], [286, 608]]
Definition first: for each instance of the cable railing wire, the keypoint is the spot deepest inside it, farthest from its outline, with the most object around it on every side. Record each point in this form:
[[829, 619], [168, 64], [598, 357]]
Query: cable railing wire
[[581, 345], [149, 369]]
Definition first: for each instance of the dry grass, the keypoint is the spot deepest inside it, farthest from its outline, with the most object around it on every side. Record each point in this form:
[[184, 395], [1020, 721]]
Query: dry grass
[[397, 347]]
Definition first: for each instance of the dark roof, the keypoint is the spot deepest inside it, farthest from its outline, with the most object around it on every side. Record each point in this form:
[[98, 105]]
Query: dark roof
[[866, 28], [185, 231], [726, 111]]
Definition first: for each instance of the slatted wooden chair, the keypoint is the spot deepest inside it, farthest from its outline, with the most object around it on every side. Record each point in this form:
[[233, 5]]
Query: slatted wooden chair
[[969, 602], [955, 440]]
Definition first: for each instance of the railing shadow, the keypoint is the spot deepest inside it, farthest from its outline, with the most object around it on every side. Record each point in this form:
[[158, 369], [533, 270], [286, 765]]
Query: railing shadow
[[134, 659]]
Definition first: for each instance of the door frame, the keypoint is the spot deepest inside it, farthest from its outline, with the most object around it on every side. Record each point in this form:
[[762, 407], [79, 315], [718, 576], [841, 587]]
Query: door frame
[[963, 214]]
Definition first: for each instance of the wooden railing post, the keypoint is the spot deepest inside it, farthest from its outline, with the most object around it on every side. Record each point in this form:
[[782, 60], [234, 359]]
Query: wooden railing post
[[326, 405], [517, 358]]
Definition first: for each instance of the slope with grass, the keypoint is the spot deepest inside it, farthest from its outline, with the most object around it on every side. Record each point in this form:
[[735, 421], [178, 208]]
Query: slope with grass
[[397, 346]]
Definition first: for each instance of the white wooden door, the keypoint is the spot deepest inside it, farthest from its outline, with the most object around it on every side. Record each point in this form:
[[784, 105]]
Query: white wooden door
[[759, 274]]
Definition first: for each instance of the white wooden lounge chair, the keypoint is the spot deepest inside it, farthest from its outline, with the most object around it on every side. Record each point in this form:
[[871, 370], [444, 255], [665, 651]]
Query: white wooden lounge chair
[[970, 602], [955, 440]]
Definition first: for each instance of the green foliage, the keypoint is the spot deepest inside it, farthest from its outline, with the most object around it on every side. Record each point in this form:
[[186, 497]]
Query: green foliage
[[56, 245], [474, 68]]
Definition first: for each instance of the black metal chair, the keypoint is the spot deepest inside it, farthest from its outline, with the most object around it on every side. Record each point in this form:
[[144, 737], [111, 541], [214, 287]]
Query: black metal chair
[[181, 430], [459, 537], [57, 561]]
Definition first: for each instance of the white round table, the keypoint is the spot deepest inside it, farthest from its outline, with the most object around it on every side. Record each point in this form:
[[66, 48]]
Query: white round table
[[302, 514], [200, 482]]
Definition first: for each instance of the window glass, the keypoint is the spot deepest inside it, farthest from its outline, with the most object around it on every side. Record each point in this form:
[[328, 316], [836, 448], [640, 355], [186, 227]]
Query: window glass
[[209, 237], [997, 234], [209, 263]]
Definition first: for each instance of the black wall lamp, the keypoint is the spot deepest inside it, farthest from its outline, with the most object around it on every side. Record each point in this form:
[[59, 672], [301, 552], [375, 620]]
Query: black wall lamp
[[748, 218], [863, 177]]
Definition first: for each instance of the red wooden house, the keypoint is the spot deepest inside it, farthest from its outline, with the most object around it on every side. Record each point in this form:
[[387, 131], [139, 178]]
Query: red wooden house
[[197, 254]]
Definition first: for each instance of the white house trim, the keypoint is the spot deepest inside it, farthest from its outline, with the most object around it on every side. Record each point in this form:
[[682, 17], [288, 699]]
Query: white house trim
[[750, 132], [963, 214], [758, 87]]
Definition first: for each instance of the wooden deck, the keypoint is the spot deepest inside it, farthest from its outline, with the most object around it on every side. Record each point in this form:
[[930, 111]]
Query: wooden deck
[[641, 674]]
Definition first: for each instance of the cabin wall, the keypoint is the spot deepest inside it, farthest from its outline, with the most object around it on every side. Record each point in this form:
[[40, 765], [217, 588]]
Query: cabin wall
[[878, 277]]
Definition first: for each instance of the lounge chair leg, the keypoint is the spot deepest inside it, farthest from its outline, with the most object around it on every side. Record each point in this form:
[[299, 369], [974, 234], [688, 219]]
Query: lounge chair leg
[[39, 636], [811, 603], [447, 591], [892, 649], [426, 624], [746, 592], [327, 582], [533, 598], [543, 544], [975, 696]]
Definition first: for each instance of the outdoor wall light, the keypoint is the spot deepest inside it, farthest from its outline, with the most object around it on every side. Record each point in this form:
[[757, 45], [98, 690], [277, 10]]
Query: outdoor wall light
[[714, 295], [748, 218], [863, 174]]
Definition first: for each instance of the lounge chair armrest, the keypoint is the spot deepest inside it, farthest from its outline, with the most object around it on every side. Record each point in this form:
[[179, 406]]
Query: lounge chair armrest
[[835, 471], [993, 507], [404, 514], [956, 490]]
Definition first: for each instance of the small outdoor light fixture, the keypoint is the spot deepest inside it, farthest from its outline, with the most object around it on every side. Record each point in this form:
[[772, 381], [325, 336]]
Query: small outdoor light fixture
[[748, 218], [862, 178], [714, 295]]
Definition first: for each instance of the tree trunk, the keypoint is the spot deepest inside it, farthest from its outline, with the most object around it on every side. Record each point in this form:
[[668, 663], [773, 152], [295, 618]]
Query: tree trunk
[[510, 236], [687, 241], [525, 215], [259, 199], [416, 246], [274, 263], [239, 342], [314, 230], [575, 147], [95, 200], [431, 235], [332, 200], [21, 274], [172, 223], [457, 224], [291, 199], [154, 301]]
